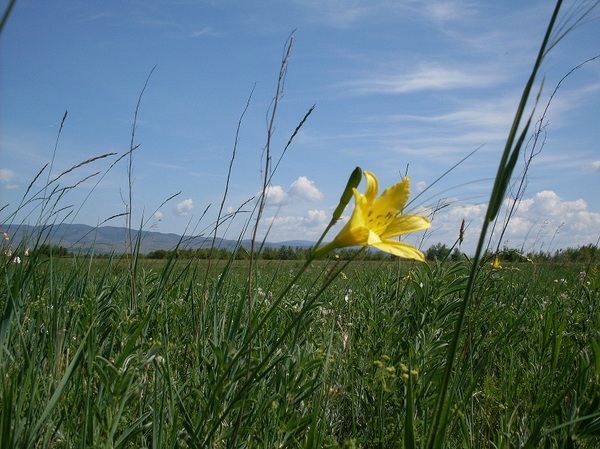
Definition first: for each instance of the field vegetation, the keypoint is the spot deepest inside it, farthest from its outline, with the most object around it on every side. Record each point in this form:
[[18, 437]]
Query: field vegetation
[[357, 364]]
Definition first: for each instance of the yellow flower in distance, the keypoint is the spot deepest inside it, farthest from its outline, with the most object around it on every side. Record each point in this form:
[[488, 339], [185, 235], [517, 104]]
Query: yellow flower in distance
[[5, 236], [496, 263], [376, 219]]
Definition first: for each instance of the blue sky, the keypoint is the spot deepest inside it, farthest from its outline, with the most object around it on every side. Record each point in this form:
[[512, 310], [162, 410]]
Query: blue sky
[[396, 84]]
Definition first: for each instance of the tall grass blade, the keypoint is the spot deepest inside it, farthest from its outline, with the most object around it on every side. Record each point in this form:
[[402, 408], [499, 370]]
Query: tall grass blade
[[437, 433]]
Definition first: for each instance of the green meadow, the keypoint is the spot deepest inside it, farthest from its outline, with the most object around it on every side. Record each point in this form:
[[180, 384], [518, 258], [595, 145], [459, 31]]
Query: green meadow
[[353, 355]]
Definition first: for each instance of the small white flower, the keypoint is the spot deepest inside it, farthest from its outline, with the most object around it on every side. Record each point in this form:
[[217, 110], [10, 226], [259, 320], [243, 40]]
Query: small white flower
[[347, 295]]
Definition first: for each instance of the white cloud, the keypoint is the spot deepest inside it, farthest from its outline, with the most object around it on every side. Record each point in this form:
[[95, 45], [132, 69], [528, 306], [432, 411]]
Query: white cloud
[[468, 212], [544, 222], [6, 175], [347, 13], [548, 204], [336, 13], [316, 216], [443, 11], [206, 31], [596, 166], [307, 227], [158, 215], [183, 208], [427, 76], [276, 196], [304, 189]]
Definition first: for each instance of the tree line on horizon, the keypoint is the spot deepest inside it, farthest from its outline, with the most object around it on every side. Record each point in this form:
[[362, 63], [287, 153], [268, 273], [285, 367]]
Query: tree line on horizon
[[439, 251]]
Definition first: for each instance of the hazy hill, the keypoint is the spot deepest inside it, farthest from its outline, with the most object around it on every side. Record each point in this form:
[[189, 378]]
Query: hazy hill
[[113, 239]]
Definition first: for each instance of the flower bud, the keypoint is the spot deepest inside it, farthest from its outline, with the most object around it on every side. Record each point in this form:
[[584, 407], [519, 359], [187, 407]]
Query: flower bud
[[353, 183]]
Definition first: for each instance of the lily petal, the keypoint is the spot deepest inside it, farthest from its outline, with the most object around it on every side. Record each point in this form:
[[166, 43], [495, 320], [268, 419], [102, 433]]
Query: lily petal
[[393, 198], [400, 249], [405, 224], [372, 187]]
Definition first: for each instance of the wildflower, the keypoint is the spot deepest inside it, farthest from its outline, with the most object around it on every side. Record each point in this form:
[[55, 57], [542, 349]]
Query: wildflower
[[496, 263], [376, 220], [412, 373], [5, 235], [343, 275]]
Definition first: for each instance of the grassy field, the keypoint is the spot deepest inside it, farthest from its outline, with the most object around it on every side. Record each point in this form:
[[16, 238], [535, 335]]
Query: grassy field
[[352, 355]]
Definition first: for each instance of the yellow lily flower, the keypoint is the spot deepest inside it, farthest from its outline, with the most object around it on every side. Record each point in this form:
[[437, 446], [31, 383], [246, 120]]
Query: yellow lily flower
[[376, 220]]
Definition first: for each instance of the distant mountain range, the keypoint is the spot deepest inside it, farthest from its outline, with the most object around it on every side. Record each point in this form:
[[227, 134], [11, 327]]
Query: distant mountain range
[[113, 239]]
